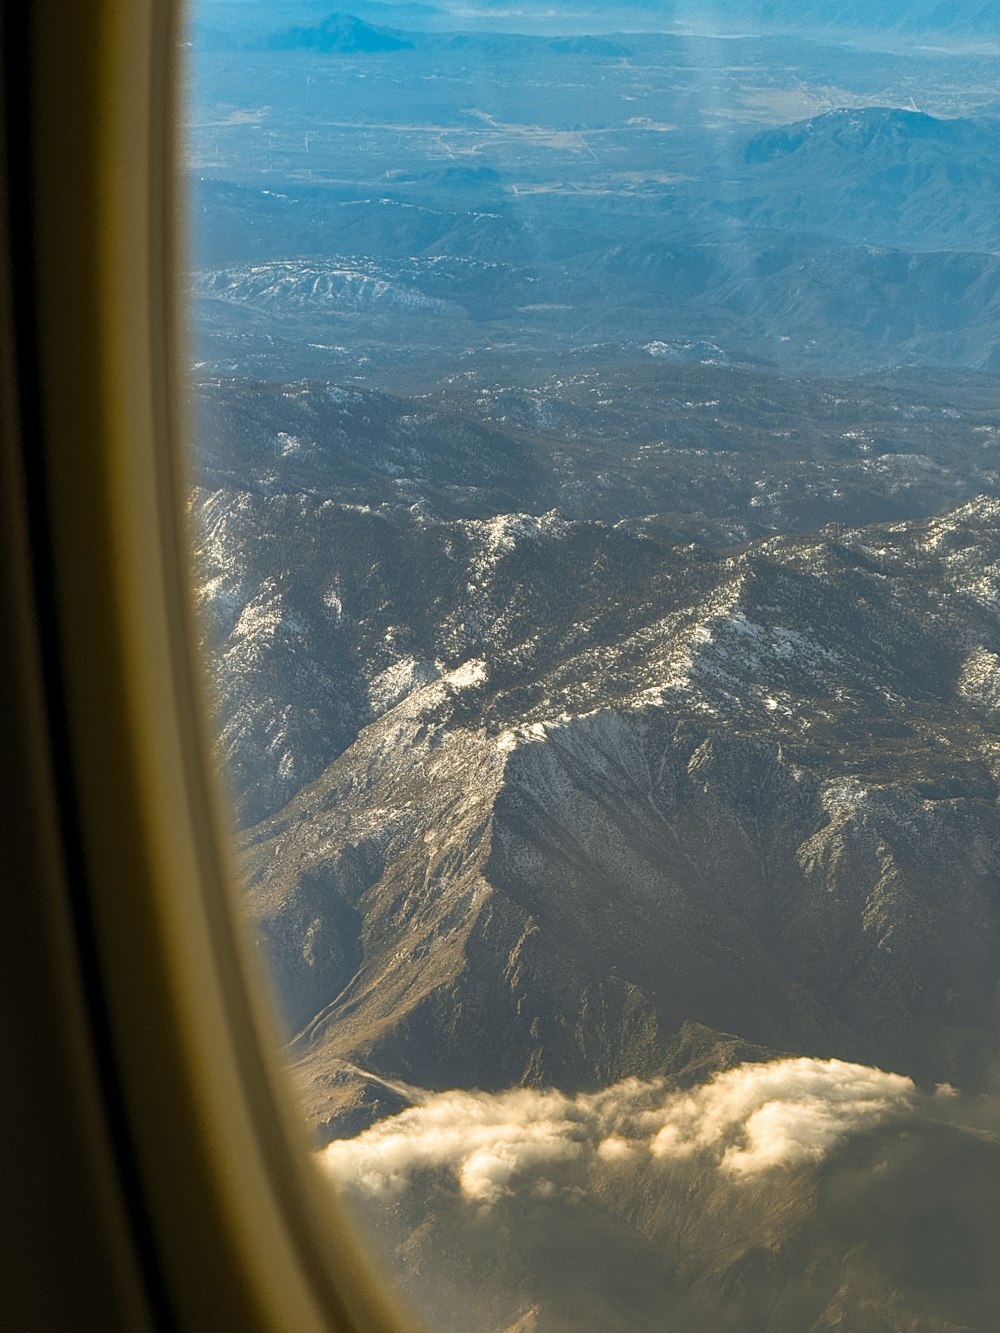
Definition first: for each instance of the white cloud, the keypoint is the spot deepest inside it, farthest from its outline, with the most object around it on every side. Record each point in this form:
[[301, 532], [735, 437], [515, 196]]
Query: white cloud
[[781, 1113], [751, 1119]]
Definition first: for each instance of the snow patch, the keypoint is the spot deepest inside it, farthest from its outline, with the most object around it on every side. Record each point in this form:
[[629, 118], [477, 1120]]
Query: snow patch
[[400, 680], [979, 678]]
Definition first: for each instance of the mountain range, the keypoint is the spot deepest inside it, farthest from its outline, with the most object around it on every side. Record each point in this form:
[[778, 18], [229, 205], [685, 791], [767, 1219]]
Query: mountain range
[[609, 801], [595, 513], [813, 705], [855, 239]]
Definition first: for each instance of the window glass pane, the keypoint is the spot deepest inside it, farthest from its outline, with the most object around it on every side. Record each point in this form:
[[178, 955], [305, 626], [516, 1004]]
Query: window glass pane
[[598, 440]]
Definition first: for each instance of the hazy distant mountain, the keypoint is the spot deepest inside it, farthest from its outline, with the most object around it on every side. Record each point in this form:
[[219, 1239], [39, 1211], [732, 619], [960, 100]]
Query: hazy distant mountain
[[337, 33], [858, 238], [801, 301], [878, 174]]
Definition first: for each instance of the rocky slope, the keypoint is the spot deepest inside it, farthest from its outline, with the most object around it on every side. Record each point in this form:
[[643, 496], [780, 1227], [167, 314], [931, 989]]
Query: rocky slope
[[736, 808], [743, 813], [354, 544]]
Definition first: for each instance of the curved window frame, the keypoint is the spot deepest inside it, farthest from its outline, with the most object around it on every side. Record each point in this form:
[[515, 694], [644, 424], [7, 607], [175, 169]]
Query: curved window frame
[[202, 1208]]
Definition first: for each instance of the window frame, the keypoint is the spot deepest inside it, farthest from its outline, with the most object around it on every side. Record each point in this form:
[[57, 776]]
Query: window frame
[[199, 1206]]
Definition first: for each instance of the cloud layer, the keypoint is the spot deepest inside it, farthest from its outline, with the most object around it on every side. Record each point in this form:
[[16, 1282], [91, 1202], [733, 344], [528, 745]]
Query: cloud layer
[[745, 1121]]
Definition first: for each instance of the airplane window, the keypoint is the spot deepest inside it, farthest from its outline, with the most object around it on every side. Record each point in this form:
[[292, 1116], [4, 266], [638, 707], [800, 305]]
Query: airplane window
[[596, 504]]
